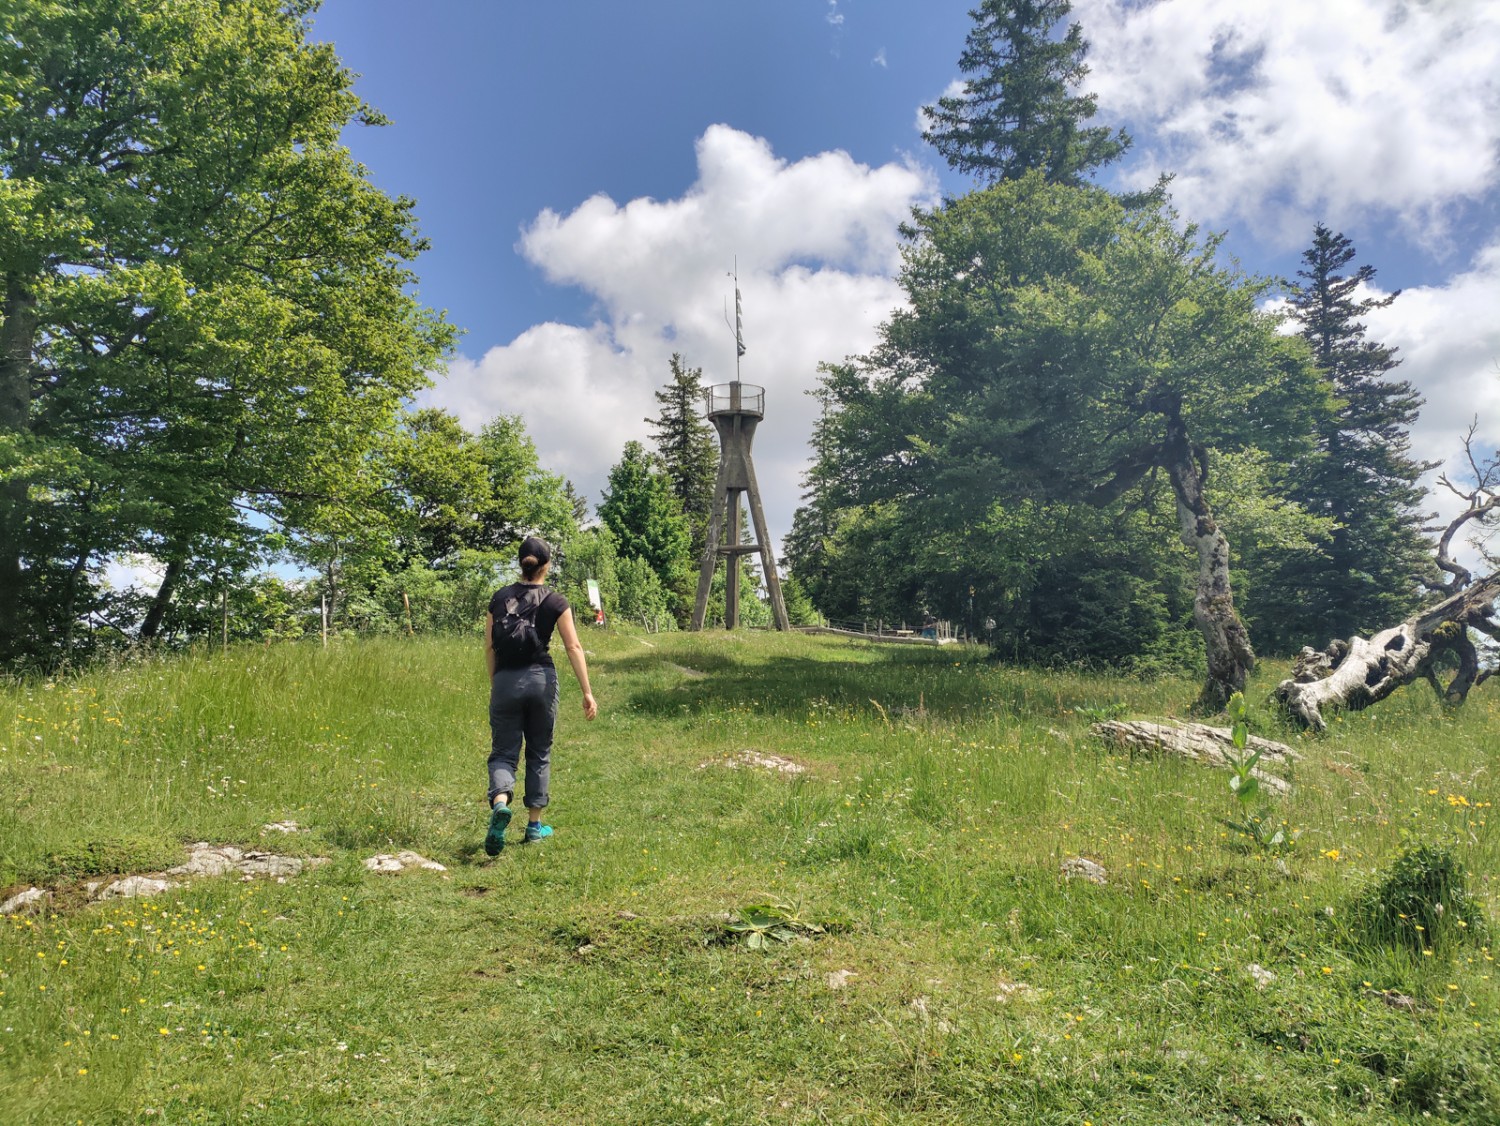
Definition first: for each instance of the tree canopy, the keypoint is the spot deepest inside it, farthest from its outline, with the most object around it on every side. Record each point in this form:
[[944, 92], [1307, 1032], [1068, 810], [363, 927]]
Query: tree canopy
[[646, 520], [208, 315], [1361, 476], [685, 444], [1019, 110], [1060, 353]]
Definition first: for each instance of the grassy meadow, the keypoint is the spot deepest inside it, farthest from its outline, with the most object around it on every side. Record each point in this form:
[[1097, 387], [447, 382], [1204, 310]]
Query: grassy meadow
[[591, 978]]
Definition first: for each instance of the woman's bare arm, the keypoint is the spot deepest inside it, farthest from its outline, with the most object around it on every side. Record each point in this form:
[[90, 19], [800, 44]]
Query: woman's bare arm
[[575, 658]]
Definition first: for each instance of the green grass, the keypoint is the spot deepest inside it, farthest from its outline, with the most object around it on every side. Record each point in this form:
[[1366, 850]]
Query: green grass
[[590, 979]]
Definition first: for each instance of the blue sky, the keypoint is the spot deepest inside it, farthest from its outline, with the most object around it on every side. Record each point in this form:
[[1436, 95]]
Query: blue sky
[[588, 172]]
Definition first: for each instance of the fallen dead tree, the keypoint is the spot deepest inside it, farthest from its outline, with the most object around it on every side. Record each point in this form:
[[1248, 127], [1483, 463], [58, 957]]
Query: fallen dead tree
[[1359, 672], [1196, 742]]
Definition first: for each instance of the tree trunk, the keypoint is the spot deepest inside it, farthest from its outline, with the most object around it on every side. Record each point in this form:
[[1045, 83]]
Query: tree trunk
[[17, 342], [1196, 742], [1360, 672], [151, 626], [1225, 639]]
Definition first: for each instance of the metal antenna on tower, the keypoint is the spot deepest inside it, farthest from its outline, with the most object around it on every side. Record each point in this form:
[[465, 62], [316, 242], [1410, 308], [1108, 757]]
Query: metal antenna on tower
[[739, 319]]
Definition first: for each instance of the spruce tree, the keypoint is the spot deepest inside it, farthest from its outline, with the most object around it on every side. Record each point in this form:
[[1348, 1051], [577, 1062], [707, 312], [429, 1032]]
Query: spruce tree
[[684, 442], [1019, 110], [1363, 476], [640, 510]]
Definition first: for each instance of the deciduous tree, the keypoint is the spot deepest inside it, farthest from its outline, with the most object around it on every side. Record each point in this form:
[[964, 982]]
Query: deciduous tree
[[1060, 350], [206, 308]]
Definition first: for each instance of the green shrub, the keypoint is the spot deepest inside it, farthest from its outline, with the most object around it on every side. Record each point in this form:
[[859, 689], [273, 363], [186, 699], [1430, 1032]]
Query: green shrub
[[114, 856], [1453, 1085], [1422, 903]]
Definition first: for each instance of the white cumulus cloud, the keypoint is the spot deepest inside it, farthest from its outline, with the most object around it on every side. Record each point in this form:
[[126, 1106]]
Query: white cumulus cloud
[[817, 248], [1449, 341], [1273, 112]]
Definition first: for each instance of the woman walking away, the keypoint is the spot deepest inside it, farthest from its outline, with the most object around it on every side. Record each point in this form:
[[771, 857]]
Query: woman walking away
[[523, 689]]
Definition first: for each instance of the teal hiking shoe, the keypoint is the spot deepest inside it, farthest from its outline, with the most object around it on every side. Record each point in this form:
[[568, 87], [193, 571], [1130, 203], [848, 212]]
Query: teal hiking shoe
[[494, 840], [536, 831]]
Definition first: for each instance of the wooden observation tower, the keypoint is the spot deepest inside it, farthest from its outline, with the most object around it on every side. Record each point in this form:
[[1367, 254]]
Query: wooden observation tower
[[735, 409]]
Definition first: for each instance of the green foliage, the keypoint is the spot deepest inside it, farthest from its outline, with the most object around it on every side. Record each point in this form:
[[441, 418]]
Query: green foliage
[[1015, 418], [800, 610], [448, 490], [448, 598], [1422, 903], [1362, 573], [685, 444], [525, 498], [1097, 713], [642, 597], [588, 554], [646, 519], [1260, 826], [775, 920], [186, 240], [112, 855], [1018, 111]]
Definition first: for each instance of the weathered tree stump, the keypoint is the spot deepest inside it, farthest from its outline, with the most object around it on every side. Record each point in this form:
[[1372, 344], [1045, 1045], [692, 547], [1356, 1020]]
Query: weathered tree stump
[[1359, 672], [1196, 742]]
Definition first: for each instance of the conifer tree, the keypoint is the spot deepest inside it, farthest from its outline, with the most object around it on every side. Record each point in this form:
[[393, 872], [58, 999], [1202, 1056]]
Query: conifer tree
[[1019, 110], [640, 510], [685, 444], [1363, 475]]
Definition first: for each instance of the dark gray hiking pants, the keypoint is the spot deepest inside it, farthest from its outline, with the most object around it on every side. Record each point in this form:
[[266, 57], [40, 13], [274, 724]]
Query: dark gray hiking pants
[[523, 707]]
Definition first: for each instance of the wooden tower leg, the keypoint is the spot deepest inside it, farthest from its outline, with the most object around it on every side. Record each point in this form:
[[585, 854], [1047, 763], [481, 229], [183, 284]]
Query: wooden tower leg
[[732, 562], [710, 551], [767, 556]]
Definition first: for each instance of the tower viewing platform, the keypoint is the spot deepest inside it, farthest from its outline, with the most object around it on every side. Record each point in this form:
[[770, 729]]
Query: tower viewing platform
[[735, 398]]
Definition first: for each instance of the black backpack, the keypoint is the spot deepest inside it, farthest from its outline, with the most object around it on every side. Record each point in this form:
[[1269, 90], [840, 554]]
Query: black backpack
[[515, 638]]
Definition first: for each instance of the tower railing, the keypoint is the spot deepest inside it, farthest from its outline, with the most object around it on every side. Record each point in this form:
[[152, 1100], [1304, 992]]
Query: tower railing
[[735, 398]]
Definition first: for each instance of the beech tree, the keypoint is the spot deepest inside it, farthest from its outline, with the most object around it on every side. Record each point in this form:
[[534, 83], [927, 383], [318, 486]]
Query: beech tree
[[1060, 350], [206, 309], [1019, 110]]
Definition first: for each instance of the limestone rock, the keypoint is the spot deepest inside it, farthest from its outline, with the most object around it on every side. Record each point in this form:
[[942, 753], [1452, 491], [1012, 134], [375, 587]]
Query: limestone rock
[[384, 862], [136, 887], [1260, 975], [27, 901], [205, 859], [1013, 991], [759, 760], [1196, 742], [1079, 868], [269, 864], [838, 979]]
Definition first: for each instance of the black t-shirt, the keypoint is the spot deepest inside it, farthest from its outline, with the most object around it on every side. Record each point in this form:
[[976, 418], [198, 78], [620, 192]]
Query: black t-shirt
[[552, 607]]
